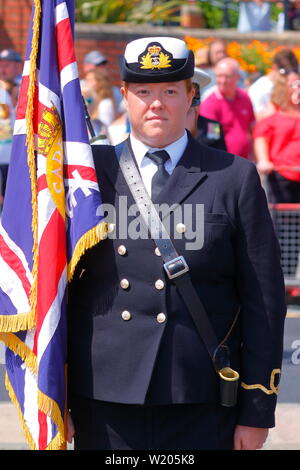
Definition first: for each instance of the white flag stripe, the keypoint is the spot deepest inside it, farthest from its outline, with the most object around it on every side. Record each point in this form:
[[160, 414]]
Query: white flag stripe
[[13, 288], [72, 183], [68, 73], [41, 165], [61, 12], [30, 405], [17, 251], [20, 126], [26, 68], [29, 340], [48, 98], [47, 207], [52, 317], [78, 153]]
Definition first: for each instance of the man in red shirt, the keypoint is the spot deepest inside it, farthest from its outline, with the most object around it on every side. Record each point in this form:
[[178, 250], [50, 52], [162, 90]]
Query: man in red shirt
[[232, 107]]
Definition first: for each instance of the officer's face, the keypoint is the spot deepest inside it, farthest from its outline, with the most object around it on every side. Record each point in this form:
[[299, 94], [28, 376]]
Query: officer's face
[[157, 111]]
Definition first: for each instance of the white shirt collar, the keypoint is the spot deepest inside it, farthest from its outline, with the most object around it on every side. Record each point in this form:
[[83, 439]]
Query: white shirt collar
[[175, 150]]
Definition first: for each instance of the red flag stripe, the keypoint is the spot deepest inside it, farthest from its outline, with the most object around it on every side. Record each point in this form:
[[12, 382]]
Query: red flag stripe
[[42, 183], [52, 262], [66, 54], [23, 99], [43, 431], [15, 264], [87, 173]]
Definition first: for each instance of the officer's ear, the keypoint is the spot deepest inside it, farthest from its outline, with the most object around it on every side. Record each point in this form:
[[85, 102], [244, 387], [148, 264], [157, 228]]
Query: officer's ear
[[124, 89]]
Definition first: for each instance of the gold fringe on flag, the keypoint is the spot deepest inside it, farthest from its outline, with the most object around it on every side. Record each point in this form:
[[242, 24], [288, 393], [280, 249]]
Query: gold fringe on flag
[[30, 148], [19, 347], [51, 409], [18, 322], [88, 240], [14, 400]]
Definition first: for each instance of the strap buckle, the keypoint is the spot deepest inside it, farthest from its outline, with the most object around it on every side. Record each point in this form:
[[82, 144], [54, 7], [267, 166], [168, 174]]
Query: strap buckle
[[176, 267]]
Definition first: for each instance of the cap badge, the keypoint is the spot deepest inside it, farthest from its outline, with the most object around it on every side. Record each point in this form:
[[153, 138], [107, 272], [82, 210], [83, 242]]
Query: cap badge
[[155, 59]]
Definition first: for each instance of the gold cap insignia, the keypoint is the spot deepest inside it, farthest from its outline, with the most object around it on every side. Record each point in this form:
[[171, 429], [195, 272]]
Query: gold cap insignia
[[155, 58]]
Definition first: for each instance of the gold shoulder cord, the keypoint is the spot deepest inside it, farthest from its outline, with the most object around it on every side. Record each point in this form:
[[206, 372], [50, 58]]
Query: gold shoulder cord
[[270, 391]]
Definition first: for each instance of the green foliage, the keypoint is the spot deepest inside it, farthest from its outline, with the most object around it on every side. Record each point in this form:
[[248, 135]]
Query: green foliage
[[214, 15], [134, 11], [275, 10]]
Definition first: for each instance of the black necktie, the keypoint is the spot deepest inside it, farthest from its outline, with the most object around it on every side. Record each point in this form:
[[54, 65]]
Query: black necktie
[[161, 176]]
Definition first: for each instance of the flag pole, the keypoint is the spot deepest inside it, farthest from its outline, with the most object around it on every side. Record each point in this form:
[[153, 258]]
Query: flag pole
[[88, 119]]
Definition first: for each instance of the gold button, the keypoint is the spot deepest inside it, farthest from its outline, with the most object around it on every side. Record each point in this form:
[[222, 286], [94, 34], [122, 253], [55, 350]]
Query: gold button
[[159, 284], [157, 252], [122, 250], [161, 318], [126, 315], [110, 228], [180, 228], [124, 283]]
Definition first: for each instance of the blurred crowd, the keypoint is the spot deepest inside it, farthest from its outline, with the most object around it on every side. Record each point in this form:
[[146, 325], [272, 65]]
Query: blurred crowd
[[254, 116]]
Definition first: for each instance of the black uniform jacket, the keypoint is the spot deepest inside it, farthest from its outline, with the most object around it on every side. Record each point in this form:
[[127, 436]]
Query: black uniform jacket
[[122, 349]]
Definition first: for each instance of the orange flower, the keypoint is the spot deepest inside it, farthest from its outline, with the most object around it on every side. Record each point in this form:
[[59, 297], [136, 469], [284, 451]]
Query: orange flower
[[252, 56]]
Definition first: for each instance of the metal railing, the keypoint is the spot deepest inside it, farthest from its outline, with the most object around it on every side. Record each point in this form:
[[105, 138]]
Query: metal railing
[[286, 219]]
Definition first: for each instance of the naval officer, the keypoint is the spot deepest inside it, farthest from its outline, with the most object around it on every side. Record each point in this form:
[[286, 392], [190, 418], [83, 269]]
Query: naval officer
[[142, 373]]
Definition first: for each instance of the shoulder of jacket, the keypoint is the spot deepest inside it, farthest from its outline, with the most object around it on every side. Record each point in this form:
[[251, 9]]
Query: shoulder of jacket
[[220, 160], [102, 152]]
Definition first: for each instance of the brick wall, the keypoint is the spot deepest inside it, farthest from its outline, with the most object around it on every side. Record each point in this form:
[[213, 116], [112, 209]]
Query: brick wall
[[14, 21]]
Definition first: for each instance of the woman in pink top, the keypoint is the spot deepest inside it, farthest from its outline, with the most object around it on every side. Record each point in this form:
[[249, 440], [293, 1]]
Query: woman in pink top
[[277, 141]]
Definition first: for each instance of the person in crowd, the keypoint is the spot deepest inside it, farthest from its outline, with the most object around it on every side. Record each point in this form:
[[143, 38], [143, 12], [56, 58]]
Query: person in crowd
[[260, 91], [6, 131], [142, 371], [215, 52], [206, 131], [254, 16], [10, 79], [276, 141], [294, 15], [232, 107], [100, 100], [97, 60], [119, 128], [201, 58], [11, 66]]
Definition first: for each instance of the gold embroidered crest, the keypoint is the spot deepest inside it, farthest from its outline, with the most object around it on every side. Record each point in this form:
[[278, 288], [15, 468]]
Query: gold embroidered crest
[[50, 144], [155, 59]]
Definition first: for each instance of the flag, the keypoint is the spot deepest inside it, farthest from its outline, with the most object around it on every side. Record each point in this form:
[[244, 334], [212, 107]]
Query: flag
[[50, 217]]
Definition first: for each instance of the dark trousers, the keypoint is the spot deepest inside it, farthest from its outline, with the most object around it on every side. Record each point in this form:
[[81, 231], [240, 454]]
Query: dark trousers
[[112, 426], [282, 190]]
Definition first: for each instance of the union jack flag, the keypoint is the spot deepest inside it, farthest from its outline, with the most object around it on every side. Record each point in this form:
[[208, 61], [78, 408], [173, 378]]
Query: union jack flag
[[50, 217]]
